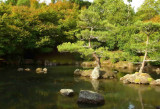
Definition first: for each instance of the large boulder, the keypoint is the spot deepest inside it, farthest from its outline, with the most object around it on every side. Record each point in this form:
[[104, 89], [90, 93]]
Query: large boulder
[[90, 97], [67, 92], [156, 82], [95, 73], [137, 78]]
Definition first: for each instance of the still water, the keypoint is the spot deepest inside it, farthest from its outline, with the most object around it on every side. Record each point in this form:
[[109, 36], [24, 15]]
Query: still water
[[28, 90]]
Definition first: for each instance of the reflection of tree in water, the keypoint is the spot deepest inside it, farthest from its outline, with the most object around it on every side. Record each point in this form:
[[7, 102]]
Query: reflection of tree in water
[[21, 96], [140, 99], [146, 97]]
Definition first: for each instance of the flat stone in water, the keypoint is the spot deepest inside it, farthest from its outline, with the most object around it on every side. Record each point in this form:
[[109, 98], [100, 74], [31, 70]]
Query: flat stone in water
[[67, 92], [90, 97]]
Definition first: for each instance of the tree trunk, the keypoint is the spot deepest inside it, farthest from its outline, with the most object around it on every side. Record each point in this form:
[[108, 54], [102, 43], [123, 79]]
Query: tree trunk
[[97, 60], [145, 55], [94, 54]]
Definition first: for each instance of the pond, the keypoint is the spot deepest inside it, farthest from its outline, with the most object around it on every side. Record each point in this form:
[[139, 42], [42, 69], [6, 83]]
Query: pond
[[28, 90]]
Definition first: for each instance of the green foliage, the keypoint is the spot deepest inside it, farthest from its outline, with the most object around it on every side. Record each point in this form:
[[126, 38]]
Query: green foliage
[[23, 3], [114, 60], [78, 47], [146, 38], [108, 28], [115, 11], [150, 79], [147, 10], [13, 2], [30, 28], [46, 50], [157, 63]]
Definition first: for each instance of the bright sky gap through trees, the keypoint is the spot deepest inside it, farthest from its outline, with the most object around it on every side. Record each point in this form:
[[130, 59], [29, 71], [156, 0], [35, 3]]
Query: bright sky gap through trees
[[135, 3]]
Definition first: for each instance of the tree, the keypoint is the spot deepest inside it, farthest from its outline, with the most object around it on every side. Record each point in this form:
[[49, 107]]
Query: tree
[[146, 41], [147, 10], [157, 6], [94, 32], [53, 1], [13, 2], [129, 5], [34, 3], [23, 3], [115, 11]]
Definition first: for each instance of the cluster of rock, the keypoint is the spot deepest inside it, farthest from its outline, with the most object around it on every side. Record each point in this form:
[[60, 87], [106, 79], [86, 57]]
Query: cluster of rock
[[22, 69], [97, 73], [49, 63], [140, 78], [85, 96], [137, 78], [38, 70]]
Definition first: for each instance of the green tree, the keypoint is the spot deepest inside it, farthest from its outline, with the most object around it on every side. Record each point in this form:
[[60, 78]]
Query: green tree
[[146, 41], [13, 2], [147, 10], [94, 32], [53, 1], [115, 11], [23, 3]]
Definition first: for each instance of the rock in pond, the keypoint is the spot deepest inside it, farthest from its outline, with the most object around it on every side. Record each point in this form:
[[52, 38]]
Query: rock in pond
[[39, 70], [27, 69], [90, 97], [67, 92], [95, 73], [137, 78], [45, 70], [155, 82], [158, 70], [20, 69], [109, 75], [84, 73], [157, 107]]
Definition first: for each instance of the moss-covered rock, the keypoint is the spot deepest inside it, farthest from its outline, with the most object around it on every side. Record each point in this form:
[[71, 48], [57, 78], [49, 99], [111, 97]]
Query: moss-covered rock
[[104, 74], [155, 82], [85, 73], [137, 78]]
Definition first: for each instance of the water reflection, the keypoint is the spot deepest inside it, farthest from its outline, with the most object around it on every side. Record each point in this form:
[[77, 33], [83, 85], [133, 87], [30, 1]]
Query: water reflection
[[131, 106], [27, 90], [95, 84]]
